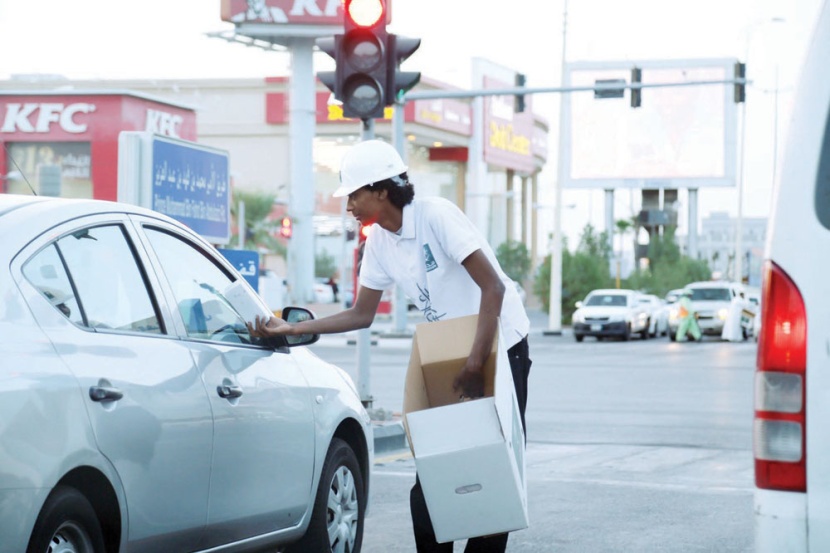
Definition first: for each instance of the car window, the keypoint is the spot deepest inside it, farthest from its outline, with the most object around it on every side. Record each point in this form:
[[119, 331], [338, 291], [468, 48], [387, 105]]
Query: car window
[[45, 271], [615, 300], [99, 263], [198, 284], [711, 294]]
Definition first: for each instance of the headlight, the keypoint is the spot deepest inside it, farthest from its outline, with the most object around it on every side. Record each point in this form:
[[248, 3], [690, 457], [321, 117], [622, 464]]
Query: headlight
[[722, 314], [673, 314], [578, 317]]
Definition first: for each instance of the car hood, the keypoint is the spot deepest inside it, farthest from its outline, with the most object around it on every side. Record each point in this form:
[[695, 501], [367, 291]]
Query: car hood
[[603, 311], [703, 305]]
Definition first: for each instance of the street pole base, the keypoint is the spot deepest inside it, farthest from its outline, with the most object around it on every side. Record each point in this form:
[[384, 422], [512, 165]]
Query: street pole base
[[551, 333]]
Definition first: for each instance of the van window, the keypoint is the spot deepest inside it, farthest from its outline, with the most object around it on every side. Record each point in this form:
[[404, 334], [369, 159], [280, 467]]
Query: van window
[[823, 180], [711, 294]]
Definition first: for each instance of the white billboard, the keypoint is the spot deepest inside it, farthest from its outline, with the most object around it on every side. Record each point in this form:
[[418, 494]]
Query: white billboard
[[681, 136]]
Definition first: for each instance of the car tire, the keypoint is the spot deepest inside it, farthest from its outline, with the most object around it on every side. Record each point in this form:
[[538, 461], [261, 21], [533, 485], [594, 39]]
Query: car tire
[[627, 333], [672, 336], [67, 522], [579, 337], [340, 506]]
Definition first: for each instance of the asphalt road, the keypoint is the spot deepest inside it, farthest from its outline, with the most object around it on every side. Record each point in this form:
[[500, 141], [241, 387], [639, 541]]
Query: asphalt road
[[632, 446]]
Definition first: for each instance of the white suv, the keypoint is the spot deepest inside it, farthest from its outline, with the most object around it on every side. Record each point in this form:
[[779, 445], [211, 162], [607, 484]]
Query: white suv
[[792, 383]]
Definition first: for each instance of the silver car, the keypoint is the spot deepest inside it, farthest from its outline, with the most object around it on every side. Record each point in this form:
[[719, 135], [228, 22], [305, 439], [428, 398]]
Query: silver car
[[138, 414]]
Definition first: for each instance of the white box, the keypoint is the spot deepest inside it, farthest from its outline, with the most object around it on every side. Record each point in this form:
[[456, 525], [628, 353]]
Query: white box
[[246, 301], [469, 455]]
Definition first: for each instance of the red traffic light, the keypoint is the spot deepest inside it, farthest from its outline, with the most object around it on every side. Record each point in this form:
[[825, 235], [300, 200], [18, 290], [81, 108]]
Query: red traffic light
[[365, 13], [285, 227]]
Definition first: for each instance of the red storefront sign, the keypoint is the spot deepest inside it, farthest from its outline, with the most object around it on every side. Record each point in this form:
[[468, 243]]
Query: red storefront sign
[[67, 144]]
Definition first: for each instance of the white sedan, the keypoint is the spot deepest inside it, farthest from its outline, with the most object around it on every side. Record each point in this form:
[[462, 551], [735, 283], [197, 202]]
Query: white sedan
[[658, 315], [138, 413]]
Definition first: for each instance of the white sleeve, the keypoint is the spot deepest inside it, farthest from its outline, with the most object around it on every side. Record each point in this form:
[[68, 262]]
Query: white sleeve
[[372, 272], [457, 235]]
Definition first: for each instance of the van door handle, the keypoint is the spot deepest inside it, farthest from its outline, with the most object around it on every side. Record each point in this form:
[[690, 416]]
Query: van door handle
[[104, 393], [229, 391]]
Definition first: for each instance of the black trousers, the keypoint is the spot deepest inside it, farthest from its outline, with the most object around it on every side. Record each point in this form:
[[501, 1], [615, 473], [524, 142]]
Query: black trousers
[[519, 356]]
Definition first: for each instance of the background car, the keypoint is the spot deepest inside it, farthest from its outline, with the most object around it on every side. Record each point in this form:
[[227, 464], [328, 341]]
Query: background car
[[137, 411], [611, 312], [710, 301], [658, 315]]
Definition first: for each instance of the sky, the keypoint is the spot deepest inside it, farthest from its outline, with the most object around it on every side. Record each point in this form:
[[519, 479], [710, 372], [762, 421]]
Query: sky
[[163, 39]]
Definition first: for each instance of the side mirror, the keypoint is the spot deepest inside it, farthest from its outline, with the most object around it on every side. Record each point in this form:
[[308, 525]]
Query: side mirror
[[298, 315], [578, 304]]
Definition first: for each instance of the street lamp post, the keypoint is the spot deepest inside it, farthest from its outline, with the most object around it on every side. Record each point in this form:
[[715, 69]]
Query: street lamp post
[[738, 274], [555, 302]]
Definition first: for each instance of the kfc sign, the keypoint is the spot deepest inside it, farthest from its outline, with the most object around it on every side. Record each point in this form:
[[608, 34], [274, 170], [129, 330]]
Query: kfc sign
[[38, 118], [161, 122], [303, 12]]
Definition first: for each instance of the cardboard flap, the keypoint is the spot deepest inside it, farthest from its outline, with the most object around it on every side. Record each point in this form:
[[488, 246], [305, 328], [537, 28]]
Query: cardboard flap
[[449, 339]]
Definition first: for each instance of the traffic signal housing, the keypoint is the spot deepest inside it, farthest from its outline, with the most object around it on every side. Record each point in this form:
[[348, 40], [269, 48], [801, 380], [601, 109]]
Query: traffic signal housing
[[398, 82], [740, 88], [636, 91]]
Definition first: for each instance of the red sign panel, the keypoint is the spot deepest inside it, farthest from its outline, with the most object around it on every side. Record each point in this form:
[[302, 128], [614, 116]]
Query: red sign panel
[[292, 12]]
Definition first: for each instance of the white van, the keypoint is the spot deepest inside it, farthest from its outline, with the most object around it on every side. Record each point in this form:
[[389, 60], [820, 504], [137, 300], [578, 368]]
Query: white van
[[792, 381]]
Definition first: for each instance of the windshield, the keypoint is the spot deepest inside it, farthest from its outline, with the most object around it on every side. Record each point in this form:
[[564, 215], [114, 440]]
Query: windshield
[[711, 294], [616, 300]]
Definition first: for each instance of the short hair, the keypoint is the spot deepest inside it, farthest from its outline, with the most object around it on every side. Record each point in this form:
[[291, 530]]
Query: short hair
[[400, 190]]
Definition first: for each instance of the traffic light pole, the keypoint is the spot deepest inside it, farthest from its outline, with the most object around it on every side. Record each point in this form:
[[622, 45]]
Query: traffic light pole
[[364, 335], [555, 307]]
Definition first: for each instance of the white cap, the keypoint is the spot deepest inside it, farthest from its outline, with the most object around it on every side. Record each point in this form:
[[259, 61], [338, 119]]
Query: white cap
[[366, 163]]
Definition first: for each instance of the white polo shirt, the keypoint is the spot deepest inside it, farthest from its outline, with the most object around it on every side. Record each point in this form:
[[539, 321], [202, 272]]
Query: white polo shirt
[[425, 261]]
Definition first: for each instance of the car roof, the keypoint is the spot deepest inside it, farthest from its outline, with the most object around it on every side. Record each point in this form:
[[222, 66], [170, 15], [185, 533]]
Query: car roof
[[712, 284], [619, 291]]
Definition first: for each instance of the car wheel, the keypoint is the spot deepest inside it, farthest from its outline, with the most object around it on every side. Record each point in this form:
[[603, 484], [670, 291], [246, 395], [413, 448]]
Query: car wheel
[[67, 523], [645, 334], [579, 337], [627, 333], [337, 519], [672, 336]]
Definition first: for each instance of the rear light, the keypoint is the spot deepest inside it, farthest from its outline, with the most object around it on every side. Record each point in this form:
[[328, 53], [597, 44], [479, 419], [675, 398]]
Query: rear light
[[779, 436]]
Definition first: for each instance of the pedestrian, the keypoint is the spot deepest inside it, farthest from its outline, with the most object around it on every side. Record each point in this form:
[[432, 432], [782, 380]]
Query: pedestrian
[[429, 248], [334, 288], [688, 318]]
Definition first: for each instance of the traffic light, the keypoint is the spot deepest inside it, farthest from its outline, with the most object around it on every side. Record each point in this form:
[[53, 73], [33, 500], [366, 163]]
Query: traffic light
[[519, 104], [286, 229], [636, 79], [740, 88], [360, 75], [398, 82]]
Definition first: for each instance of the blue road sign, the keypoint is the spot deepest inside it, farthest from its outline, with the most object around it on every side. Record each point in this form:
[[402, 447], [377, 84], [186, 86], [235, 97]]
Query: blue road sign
[[246, 262]]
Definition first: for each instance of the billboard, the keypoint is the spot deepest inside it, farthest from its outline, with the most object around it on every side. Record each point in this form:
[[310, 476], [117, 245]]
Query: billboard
[[682, 136]]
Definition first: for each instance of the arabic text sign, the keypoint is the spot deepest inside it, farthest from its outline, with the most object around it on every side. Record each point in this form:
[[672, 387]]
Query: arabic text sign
[[246, 262], [191, 184]]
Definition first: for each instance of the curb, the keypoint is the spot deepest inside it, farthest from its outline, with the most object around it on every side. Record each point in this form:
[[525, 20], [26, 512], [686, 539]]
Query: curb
[[389, 436]]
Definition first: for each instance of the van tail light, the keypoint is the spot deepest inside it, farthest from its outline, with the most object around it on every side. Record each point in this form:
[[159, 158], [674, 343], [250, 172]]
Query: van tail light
[[779, 431]]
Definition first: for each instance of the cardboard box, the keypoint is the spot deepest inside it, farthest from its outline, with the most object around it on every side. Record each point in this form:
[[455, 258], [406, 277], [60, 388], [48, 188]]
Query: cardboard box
[[469, 454]]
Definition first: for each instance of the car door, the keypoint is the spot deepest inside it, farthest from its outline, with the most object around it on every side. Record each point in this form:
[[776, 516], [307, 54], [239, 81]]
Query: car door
[[263, 457], [147, 404]]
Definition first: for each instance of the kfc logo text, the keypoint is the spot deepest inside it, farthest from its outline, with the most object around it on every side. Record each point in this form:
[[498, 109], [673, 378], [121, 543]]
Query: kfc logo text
[[160, 122], [38, 118]]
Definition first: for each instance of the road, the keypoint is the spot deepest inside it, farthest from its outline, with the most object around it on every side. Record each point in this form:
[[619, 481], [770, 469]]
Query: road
[[632, 446]]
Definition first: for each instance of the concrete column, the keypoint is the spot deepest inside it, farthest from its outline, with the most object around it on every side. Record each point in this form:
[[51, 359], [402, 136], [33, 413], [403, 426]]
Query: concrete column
[[692, 238], [510, 206], [301, 122]]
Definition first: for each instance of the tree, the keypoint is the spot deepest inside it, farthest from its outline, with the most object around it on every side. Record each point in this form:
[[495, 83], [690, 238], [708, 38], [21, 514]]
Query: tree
[[260, 229], [582, 271], [668, 268], [514, 259]]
